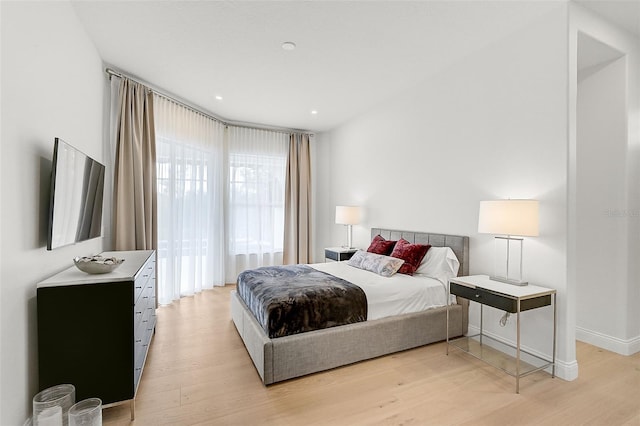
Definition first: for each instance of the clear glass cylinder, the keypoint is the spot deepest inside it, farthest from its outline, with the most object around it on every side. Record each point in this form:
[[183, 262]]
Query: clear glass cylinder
[[50, 406], [87, 412]]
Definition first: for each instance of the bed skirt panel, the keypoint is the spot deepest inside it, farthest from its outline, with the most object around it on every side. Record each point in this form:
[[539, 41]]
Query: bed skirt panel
[[258, 345], [301, 354]]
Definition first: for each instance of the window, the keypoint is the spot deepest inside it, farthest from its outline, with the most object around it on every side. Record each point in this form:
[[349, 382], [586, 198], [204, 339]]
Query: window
[[220, 199], [256, 202], [257, 162]]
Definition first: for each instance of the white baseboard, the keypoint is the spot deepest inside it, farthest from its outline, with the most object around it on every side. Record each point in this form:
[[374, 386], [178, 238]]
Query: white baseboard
[[567, 370], [564, 370], [610, 343]]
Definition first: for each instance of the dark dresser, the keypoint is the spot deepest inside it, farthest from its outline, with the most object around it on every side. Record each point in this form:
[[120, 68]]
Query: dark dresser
[[94, 331]]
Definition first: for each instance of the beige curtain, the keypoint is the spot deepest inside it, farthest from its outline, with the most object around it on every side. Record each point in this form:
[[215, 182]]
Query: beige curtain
[[297, 218], [134, 187]]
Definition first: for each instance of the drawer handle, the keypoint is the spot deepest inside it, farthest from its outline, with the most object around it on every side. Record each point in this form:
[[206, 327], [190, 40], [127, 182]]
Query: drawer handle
[[138, 287], [145, 345], [138, 313], [145, 276], [149, 329], [139, 340], [139, 368]]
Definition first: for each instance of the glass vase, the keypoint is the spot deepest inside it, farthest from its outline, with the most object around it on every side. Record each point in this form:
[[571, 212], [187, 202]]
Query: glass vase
[[51, 406], [87, 412]]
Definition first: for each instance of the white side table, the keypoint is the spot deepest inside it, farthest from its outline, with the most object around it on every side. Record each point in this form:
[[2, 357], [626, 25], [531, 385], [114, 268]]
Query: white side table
[[339, 253], [512, 299]]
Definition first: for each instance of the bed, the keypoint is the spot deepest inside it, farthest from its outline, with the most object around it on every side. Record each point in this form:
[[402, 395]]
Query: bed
[[283, 358]]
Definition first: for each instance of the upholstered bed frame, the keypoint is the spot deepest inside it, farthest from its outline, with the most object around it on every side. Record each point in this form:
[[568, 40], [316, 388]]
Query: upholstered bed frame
[[292, 356]]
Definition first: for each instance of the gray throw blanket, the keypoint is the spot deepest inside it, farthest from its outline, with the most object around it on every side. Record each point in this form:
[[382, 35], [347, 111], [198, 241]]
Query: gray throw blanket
[[297, 298]]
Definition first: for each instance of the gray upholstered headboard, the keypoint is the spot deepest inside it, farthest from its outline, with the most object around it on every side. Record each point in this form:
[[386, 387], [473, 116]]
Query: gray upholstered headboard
[[459, 244]]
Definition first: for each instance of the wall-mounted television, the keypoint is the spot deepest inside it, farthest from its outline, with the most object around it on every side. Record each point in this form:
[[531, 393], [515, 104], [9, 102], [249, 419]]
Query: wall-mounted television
[[77, 188]]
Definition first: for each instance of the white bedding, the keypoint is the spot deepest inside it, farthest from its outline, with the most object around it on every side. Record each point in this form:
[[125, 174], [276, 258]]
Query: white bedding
[[398, 294]]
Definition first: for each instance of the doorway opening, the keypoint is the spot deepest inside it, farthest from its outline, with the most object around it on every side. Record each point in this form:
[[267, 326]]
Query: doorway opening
[[601, 194]]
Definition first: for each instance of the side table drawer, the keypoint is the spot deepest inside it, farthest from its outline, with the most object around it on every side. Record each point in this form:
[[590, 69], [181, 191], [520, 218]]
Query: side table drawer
[[485, 297], [497, 300]]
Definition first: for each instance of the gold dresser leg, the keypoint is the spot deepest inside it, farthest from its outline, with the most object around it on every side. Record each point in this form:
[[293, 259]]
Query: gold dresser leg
[[133, 409]]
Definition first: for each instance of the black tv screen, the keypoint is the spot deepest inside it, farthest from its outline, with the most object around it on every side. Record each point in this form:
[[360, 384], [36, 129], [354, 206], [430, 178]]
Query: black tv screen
[[77, 187]]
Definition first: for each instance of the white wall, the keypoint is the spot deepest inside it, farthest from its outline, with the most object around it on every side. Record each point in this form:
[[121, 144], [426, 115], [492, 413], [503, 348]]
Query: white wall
[[602, 230], [52, 85], [493, 125], [604, 189]]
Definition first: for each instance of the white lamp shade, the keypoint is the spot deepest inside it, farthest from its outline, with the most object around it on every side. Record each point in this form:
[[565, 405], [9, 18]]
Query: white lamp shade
[[509, 217], [347, 215]]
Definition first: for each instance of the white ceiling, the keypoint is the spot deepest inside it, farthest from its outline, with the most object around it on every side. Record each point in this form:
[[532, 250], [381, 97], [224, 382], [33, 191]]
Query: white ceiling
[[592, 53], [623, 13], [350, 57]]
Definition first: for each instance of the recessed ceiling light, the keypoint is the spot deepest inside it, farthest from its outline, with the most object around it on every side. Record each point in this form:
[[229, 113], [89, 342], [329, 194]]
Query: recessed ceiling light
[[218, 97], [314, 112], [288, 45]]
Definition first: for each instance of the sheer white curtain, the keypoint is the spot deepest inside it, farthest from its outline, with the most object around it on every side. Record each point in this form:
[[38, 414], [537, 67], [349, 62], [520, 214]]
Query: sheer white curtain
[[190, 171], [257, 161]]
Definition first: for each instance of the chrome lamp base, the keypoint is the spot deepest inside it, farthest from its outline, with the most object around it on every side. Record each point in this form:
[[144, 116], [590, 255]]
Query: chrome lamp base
[[507, 279]]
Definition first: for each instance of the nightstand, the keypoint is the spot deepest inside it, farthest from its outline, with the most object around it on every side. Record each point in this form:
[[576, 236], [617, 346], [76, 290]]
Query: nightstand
[[339, 253], [512, 299]]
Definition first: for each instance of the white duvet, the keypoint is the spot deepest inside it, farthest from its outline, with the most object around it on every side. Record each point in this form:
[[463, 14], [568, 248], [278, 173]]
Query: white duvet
[[398, 294]]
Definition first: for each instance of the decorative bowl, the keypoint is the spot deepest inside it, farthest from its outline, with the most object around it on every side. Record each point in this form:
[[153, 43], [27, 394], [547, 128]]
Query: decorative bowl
[[97, 264]]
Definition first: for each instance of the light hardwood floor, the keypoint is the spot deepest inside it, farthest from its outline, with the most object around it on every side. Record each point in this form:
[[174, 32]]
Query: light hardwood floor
[[199, 373]]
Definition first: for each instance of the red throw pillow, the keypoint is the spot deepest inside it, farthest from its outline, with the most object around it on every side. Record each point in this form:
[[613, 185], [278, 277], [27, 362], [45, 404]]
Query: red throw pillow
[[412, 254], [381, 246]]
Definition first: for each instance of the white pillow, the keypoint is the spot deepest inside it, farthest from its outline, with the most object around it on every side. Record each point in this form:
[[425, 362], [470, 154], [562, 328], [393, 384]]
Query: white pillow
[[380, 264], [439, 263]]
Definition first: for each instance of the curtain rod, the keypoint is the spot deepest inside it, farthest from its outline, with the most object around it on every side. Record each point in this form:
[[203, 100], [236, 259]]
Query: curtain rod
[[113, 73]]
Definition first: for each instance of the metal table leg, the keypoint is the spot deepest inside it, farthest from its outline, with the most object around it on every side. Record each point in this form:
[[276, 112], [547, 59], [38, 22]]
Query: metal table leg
[[518, 348], [481, 316], [553, 359], [447, 328]]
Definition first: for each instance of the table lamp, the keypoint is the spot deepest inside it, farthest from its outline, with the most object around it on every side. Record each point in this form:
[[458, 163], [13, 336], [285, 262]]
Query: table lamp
[[509, 220], [348, 215]]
